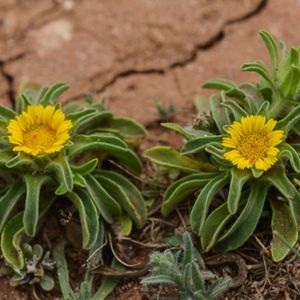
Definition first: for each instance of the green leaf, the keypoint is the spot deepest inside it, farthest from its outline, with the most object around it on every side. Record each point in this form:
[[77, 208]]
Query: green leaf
[[260, 69], [240, 231], [188, 249], [11, 237], [187, 280], [291, 81], [238, 179], [292, 59], [215, 150], [219, 114], [105, 203], [84, 113], [62, 271], [86, 168], [198, 279], [24, 102], [7, 113], [256, 173], [264, 109], [272, 49], [213, 226], [287, 151], [5, 156], [235, 108], [64, 174], [20, 161], [127, 194], [201, 104], [88, 216], [34, 184], [280, 181], [218, 287], [109, 144], [92, 121], [9, 200], [79, 180], [123, 225], [219, 84], [129, 129], [203, 201], [187, 133], [53, 92], [198, 144], [179, 190], [170, 158], [13, 234], [158, 279], [108, 284], [238, 94], [286, 243], [47, 283], [287, 123], [283, 222]]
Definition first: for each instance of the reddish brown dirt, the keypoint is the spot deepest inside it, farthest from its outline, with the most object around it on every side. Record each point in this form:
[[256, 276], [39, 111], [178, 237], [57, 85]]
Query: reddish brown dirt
[[133, 50]]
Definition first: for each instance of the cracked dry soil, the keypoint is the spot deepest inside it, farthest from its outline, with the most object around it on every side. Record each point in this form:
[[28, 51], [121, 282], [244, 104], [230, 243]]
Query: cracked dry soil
[[133, 50]]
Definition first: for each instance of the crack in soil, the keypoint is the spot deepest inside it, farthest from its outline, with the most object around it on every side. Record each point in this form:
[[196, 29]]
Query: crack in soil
[[11, 93], [10, 83], [191, 58], [194, 54]]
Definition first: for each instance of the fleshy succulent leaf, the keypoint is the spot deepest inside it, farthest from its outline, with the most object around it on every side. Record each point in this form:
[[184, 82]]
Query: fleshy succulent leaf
[[283, 222], [219, 114], [243, 227], [203, 201], [53, 92], [213, 226], [181, 189], [188, 133], [64, 174], [219, 84], [170, 158], [110, 144], [92, 121], [127, 194], [11, 241], [9, 200], [288, 152], [272, 49], [198, 144], [34, 184], [238, 179], [107, 206], [88, 216]]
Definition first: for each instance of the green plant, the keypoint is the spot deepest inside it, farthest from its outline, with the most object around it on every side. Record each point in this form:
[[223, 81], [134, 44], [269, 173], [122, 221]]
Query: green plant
[[248, 155], [84, 292], [185, 270], [35, 269], [49, 152], [165, 112]]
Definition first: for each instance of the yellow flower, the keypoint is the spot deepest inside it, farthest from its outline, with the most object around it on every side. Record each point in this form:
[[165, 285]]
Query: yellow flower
[[253, 141], [39, 130]]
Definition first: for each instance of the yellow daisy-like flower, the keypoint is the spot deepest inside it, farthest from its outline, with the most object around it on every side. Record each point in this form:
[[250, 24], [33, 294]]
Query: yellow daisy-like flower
[[39, 130], [254, 142]]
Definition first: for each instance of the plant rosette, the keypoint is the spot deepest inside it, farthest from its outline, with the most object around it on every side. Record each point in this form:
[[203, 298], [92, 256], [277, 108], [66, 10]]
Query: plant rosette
[[248, 154], [48, 152]]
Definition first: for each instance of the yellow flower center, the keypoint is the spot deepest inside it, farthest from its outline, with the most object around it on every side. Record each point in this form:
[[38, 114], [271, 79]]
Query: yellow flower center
[[41, 137], [254, 146]]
